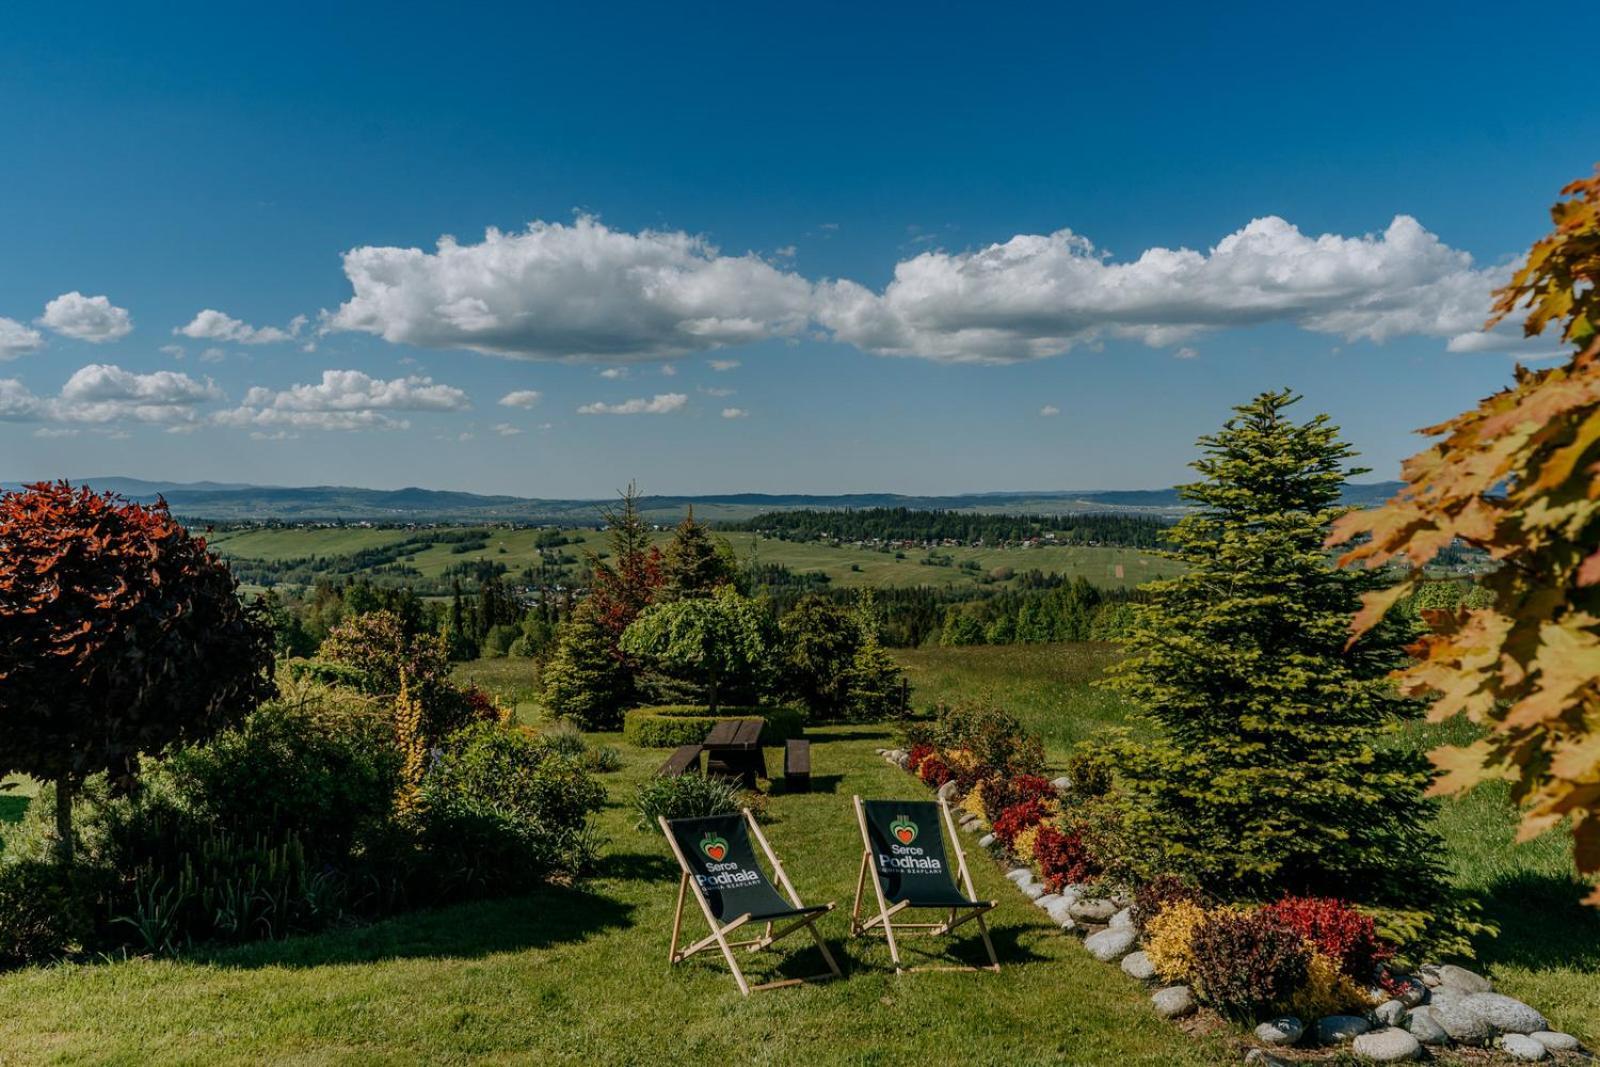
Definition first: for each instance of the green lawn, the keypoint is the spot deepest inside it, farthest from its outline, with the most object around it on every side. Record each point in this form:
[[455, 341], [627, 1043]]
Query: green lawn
[[580, 976], [1548, 951]]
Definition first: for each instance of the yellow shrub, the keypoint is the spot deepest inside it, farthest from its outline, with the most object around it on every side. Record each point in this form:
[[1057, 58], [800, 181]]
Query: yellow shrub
[[1169, 939], [1327, 990], [960, 759], [1022, 847], [973, 802]]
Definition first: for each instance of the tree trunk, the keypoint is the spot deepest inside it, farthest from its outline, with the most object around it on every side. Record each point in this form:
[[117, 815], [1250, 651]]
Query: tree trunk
[[64, 842], [711, 698]]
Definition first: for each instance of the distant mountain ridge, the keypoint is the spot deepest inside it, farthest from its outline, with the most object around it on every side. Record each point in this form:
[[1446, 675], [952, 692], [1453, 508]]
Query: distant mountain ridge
[[240, 502]]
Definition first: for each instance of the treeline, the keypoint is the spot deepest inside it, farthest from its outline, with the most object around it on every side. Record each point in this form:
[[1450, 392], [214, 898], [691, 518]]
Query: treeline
[[1066, 611], [907, 524]]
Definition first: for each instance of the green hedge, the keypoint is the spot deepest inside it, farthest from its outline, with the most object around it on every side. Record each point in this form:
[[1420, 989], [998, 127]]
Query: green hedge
[[672, 725]]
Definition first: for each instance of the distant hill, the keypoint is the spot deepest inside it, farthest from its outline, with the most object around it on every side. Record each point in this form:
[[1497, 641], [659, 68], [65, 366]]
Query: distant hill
[[228, 502]]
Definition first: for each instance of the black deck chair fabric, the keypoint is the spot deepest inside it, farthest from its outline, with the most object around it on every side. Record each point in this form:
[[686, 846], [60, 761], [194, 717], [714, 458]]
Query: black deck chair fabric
[[904, 855], [722, 859], [720, 870], [910, 855]]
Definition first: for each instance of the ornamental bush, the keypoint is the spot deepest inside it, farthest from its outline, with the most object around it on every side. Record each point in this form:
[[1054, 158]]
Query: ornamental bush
[[1064, 858], [1338, 931], [686, 796], [993, 736], [44, 912], [934, 771], [1149, 898], [1169, 939], [671, 725], [1017, 818], [1247, 962], [1002, 793]]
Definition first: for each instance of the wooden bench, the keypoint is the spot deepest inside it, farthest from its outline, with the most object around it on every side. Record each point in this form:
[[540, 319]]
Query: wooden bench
[[684, 759], [797, 766]]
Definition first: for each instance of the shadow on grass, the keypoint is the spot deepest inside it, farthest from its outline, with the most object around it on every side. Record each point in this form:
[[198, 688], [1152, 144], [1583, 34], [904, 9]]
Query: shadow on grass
[[543, 918], [1542, 924], [823, 736], [639, 867], [12, 807], [820, 783]]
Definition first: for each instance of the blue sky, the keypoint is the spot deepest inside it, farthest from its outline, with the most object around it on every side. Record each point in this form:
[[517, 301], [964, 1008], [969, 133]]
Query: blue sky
[[834, 248]]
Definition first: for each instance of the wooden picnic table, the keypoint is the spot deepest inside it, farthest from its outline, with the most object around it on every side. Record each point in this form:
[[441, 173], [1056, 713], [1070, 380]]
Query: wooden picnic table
[[733, 749]]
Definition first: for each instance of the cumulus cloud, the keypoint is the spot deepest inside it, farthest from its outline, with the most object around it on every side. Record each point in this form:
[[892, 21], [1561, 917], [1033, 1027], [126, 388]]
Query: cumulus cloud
[[735, 413], [213, 325], [1040, 295], [521, 398], [580, 292], [1049, 411], [614, 373], [722, 364], [86, 318], [1508, 340], [17, 339], [103, 393], [344, 400], [660, 404], [1186, 352], [505, 429]]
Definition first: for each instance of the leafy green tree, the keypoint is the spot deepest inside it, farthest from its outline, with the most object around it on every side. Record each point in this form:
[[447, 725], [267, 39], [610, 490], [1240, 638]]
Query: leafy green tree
[[961, 628], [584, 681], [1271, 768], [718, 644], [695, 564]]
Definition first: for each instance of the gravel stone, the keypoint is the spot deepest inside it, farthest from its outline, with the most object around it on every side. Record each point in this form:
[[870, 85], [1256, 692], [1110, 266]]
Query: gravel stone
[[1284, 1030], [1388, 1045], [1173, 1002], [1138, 965], [1523, 1047], [1110, 945]]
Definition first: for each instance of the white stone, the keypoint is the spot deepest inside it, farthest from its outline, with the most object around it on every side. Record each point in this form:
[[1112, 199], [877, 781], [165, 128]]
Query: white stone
[[1020, 875], [1093, 910], [1173, 1002], [1031, 890], [1062, 784], [1556, 1041], [1421, 1025], [1340, 1029], [986, 840], [1388, 1045], [1110, 945], [1045, 901], [1463, 980], [1123, 920], [1463, 1026], [1390, 1013], [949, 791], [1284, 1030], [1505, 1013], [1060, 911], [1138, 965], [1523, 1047]]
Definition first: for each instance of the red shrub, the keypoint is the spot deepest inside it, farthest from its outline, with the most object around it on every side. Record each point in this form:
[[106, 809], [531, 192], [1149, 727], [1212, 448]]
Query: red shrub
[[1063, 858], [918, 753], [1017, 818], [1338, 930], [1246, 964], [1009, 792], [933, 771], [1160, 891]]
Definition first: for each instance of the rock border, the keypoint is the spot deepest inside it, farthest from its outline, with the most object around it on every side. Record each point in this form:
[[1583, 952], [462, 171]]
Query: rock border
[[1441, 1006]]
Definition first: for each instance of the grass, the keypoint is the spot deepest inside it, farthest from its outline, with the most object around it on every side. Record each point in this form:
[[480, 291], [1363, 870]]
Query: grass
[[580, 976], [1548, 949], [845, 566]]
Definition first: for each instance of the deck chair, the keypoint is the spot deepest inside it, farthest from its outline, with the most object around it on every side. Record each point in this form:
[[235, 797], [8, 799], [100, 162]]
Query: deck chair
[[719, 865], [903, 849]]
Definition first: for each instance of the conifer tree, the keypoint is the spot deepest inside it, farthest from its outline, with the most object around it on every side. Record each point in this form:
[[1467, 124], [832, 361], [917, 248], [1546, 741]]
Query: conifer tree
[[1269, 770], [695, 564]]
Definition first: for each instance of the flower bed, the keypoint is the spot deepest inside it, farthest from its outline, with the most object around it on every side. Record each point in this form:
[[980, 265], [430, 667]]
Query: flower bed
[[1308, 971]]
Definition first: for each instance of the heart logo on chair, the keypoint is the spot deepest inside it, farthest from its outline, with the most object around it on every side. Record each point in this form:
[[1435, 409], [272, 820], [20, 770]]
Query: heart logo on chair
[[714, 847], [904, 830]]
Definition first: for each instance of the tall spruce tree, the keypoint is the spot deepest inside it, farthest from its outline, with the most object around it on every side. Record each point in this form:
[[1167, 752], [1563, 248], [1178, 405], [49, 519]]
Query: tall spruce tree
[[1272, 768], [695, 564]]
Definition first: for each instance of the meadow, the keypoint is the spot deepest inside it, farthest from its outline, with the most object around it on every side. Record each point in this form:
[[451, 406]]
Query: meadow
[[846, 566]]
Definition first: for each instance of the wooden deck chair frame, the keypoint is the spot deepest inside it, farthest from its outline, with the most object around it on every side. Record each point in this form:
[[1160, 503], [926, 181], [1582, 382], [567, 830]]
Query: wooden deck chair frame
[[884, 920], [718, 937]]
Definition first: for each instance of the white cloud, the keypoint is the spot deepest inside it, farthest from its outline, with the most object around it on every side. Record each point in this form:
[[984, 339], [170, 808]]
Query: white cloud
[[52, 432], [722, 364], [344, 400], [714, 390], [505, 429], [102, 393], [660, 404], [1039, 295], [669, 369], [581, 291], [213, 355], [1049, 410], [17, 339], [1186, 352], [1508, 340], [521, 398], [213, 325], [614, 373], [735, 413], [86, 318], [175, 351]]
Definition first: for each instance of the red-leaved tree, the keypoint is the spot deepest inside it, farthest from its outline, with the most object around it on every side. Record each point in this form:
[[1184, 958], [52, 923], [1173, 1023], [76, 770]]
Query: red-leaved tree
[[120, 635]]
